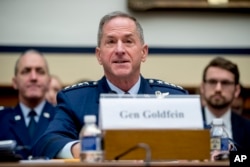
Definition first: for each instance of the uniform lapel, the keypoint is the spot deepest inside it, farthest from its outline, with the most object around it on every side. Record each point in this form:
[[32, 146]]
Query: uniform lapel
[[18, 127], [43, 120], [102, 87], [145, 87]]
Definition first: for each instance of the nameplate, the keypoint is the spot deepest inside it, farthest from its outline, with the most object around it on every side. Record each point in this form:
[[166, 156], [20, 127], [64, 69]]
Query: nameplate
[[150, 112]]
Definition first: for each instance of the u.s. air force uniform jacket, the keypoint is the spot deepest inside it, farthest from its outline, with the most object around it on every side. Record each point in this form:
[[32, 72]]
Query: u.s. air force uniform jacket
[[83, 99], [13, 127]]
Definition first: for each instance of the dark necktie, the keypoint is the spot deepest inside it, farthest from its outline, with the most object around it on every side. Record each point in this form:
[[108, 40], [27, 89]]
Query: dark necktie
[[32, 123]]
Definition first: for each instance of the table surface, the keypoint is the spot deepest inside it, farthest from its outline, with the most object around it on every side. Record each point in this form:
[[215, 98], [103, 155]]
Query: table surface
[[74, 163]]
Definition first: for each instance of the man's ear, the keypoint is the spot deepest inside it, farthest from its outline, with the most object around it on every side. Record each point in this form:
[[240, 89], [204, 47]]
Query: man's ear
[[237, 91], [14, 83], [98, 55], [49, 82], [202, 88], [144, 53]]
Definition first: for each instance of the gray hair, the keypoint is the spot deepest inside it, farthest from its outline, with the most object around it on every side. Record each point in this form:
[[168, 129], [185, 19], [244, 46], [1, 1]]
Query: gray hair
[[112, 15], [24, 53]]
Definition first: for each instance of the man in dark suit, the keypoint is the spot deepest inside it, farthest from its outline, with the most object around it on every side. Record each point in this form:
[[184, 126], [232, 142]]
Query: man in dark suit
[[31, 80], [121, 50], [219, 88]]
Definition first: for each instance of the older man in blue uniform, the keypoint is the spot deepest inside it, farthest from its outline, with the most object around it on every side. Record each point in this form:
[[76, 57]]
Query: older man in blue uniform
[[26, 122], [121, 50]]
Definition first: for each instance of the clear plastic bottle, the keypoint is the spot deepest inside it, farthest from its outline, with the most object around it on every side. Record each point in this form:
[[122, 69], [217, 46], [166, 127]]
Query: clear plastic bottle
[[219, 137], [91, 141]]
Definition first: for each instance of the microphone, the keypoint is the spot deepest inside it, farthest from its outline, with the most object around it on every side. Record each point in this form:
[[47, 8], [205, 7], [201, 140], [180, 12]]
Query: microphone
[[139, 145], [19, 148], [30, 157], [7, 151]]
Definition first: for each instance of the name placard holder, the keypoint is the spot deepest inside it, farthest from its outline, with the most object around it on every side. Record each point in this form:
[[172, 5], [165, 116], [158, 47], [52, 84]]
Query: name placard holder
[[164, 144]]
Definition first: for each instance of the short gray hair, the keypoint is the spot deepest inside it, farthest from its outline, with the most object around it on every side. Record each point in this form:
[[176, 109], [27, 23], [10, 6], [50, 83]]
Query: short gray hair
[[112, 15], [24, 53]]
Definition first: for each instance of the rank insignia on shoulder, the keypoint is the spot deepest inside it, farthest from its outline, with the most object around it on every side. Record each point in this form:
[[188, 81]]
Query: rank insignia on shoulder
[[160, 82], [81, 84]]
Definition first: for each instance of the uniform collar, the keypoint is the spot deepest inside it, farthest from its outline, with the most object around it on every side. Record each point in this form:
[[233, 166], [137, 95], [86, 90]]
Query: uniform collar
[[38, 109], [133, 90], [144, 87]]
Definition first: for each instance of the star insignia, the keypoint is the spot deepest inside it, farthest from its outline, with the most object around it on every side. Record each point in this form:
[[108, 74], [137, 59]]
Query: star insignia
[[151, 81], [160, 82], [17, 117], [46, 115]]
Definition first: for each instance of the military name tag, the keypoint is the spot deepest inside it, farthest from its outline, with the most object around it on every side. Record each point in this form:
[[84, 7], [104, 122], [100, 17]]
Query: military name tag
[[150, 112]]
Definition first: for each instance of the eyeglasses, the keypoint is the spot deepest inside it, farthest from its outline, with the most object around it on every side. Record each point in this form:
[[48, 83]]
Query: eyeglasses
[[224, 83]]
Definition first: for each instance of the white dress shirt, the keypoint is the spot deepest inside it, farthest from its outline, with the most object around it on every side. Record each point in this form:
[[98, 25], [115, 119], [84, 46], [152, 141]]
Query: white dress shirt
[[25, 110]]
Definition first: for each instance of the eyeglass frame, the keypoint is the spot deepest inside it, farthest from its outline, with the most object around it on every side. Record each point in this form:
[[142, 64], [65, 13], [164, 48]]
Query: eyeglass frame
[[224, 83]]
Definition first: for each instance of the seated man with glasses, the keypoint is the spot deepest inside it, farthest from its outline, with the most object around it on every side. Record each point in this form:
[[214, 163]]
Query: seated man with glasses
[[220, 86]]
